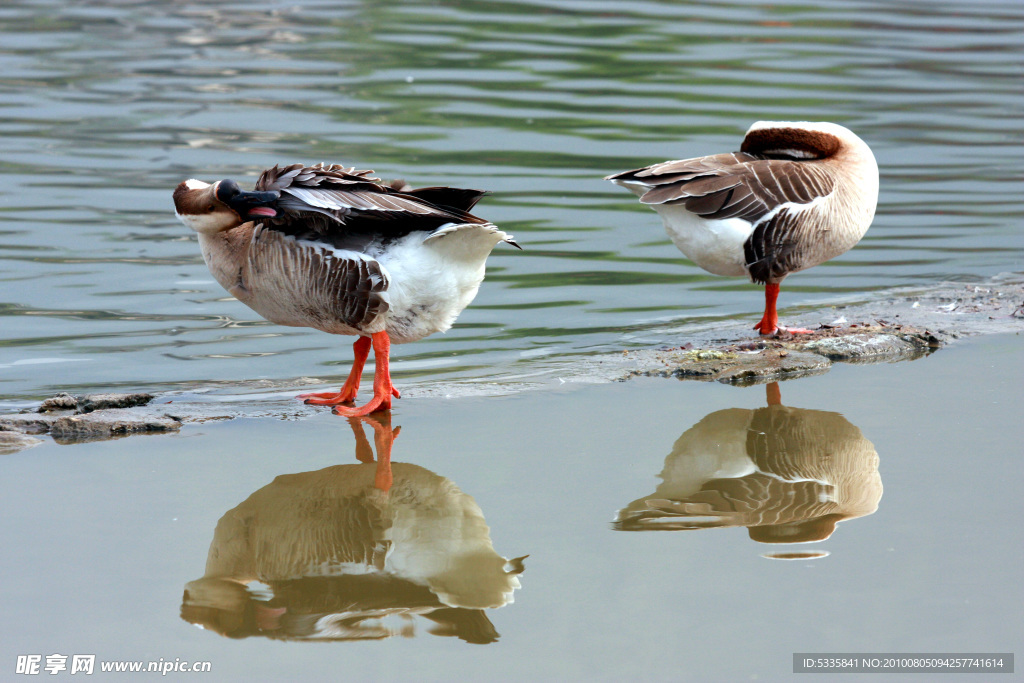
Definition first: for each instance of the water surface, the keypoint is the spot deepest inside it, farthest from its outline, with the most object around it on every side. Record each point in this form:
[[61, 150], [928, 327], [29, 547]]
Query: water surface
[[105, 107], [99, 558]]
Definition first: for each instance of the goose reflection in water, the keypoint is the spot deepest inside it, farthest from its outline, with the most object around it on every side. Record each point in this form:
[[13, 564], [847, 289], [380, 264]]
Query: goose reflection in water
[[787, 474], [344, 551]]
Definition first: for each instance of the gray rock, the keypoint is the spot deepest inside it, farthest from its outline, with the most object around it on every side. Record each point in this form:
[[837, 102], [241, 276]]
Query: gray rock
[[771, 365], [59, 402], [108, 424], [741, 368], [866, 348], [28, 423], [93, 402]]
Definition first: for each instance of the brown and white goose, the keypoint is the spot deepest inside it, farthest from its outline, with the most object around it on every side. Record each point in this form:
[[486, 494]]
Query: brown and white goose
[[796, 195], [335, 249]]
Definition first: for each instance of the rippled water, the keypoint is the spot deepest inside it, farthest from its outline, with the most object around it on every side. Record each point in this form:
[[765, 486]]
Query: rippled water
[[104, 107]]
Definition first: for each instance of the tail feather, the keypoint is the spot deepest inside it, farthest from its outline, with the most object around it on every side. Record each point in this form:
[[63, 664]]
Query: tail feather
[[468, 229]]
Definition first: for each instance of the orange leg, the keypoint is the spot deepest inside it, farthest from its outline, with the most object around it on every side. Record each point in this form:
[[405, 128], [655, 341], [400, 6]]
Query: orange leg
[[774, 395], [769, 323], [383, 389], [770, 320], [348, 392]]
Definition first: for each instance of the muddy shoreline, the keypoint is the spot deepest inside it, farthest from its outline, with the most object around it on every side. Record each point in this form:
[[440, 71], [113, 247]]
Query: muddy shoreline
[[903, 326]]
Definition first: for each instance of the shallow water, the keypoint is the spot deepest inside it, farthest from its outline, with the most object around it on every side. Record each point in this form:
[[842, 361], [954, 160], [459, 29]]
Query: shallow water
[[104, 107], [97, 560]]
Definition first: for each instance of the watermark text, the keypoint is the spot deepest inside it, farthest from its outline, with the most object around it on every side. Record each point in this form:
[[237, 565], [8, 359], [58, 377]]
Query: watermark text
[[53, 664]]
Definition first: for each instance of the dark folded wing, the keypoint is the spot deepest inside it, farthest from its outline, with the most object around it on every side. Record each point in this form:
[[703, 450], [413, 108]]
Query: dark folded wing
[[334, 201], [457, 198], [755, 189]]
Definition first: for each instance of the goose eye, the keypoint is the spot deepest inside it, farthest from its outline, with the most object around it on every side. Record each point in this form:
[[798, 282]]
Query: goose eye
[[210, 207]]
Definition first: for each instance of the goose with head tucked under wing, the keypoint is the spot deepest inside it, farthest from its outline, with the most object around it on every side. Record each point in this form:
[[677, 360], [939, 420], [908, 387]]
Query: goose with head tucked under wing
[[794, 196], [336, 249]]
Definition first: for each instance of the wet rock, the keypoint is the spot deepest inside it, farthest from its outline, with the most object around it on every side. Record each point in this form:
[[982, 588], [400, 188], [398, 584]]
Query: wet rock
[[787, 355], [70, 419], [769, 366], [872, 347], [59, 402], [710, 354], [711, 365], [28, 423], [107, 424], [12, 442], [93, 402]]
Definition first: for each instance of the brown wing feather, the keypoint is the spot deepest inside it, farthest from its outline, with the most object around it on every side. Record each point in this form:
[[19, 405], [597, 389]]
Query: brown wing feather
[[322, 286], [733, 185]]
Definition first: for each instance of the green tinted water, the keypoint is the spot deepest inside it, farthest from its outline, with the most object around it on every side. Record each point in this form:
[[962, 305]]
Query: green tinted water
[[104, 108]]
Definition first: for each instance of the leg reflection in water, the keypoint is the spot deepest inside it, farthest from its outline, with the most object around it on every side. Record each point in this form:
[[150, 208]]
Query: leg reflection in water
[[383, 438]]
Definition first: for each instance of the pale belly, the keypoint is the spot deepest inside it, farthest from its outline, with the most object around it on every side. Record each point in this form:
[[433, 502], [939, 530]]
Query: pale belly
[[427, 294], [714, 245]]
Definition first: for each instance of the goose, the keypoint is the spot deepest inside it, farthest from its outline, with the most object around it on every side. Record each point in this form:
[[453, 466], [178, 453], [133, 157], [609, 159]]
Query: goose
[[796, 195], [338, 250]]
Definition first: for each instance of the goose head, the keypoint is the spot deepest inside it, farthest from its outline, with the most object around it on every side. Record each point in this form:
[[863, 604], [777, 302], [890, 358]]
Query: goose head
[[837, 148], [210, 209], [802, 140]]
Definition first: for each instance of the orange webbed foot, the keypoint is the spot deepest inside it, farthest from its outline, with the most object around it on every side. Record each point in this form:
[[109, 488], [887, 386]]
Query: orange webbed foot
[[350, 389], [768, 330], [383, 389], [328, 398], [376, 404]]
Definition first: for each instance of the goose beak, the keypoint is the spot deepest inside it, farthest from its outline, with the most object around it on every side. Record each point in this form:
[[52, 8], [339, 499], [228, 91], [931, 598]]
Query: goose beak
[[247, 204], [254, 204]]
